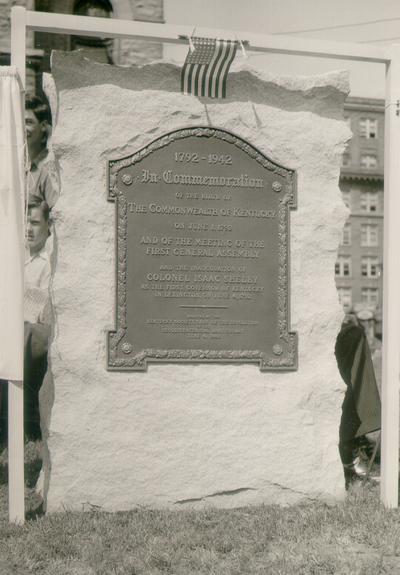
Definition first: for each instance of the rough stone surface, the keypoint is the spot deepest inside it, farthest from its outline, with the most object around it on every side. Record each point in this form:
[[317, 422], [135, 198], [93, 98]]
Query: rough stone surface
[[182, 435]]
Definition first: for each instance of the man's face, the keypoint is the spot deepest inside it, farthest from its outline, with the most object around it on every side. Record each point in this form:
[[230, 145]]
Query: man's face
[[34, 129], [37, 230]]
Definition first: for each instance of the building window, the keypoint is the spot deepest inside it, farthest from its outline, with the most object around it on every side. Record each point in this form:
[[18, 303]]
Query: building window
[[346, 235], [369, 161], [368, 128], [346, 159], [345, 297], [369, 201], [343, 266], [370, 296], [369, 267], [369, 235], [346, 197]]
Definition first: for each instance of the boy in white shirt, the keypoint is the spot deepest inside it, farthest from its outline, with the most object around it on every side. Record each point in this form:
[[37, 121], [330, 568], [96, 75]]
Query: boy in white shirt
[[36, 312]]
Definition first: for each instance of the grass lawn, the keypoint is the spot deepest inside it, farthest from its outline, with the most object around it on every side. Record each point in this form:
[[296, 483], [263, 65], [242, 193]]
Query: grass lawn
[[357, 536]]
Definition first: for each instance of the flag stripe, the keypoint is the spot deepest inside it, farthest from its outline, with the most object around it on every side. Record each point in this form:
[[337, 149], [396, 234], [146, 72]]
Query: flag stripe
[[202, 81], [196, 79], [192, 68], [226, 66], [219, 52], [209, 69], [218, 69]]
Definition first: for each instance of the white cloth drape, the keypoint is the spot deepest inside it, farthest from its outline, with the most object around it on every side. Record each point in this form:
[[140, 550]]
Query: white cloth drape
[[12, 195]]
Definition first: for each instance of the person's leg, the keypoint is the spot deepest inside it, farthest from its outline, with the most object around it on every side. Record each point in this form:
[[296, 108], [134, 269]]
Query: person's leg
[[3, 412], [34, 378], [349, 424]]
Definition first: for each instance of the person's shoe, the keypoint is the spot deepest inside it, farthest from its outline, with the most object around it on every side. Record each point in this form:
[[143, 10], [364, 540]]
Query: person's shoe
[[364, 447], [355, 471], [359, 466]]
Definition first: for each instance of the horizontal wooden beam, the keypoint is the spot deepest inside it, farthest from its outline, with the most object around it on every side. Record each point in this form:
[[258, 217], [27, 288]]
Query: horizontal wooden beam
[[111, 27]]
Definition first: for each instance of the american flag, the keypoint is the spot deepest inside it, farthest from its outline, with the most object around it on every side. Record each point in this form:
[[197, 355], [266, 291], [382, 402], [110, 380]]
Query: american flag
[[205, 70]]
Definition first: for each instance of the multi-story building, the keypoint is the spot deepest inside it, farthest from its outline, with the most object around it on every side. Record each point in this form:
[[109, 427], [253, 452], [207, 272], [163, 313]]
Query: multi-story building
[[358, 269]]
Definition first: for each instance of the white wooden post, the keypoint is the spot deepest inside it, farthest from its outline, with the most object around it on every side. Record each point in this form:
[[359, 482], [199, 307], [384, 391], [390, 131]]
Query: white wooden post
[[16, 482], [391, 288]]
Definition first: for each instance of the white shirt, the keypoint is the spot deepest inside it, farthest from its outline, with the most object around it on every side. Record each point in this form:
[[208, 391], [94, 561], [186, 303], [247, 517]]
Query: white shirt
[[37, 282]]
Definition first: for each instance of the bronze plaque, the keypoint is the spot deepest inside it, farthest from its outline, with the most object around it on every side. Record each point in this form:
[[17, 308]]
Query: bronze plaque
[[202, 253]]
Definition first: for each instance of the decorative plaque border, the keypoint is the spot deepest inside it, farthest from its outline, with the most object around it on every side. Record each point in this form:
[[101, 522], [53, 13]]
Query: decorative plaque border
[[284, 357]]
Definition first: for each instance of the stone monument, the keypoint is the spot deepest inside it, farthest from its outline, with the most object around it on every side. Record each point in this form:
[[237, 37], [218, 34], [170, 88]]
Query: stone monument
[[195, 310]]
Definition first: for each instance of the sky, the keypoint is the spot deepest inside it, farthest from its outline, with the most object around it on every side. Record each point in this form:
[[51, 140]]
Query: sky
[[366, 21]]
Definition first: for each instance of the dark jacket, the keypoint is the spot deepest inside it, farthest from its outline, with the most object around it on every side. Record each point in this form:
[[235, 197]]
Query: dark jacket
[[354, 360]]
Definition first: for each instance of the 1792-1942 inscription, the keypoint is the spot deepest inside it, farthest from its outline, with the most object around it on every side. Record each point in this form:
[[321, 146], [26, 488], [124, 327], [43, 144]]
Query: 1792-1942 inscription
[[202, 259]]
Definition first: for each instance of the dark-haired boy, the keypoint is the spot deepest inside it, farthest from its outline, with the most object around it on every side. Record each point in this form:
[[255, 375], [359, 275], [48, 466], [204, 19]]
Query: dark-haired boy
[[41, 187]]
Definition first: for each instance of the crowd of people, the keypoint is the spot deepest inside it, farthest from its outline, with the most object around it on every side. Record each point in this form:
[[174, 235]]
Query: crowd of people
[[42, 194]]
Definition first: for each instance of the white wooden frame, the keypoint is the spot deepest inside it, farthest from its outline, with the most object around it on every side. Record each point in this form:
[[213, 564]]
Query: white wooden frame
[[22, 20]]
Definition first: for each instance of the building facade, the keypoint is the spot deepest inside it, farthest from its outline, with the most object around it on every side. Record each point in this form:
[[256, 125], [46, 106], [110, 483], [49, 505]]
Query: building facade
[[358, 269], [124, 52]]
